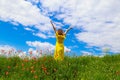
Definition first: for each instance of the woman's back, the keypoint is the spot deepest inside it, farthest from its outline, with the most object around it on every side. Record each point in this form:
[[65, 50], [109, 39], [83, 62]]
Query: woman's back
[[60, 38]]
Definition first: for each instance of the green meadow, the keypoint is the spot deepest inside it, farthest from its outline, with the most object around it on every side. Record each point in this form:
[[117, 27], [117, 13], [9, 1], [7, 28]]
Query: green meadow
[[71, 68]]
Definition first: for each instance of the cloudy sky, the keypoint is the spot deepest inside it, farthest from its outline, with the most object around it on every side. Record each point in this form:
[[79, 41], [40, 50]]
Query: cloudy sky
[[25, 24]]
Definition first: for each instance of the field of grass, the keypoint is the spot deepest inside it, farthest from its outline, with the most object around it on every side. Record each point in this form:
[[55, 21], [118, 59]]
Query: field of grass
[[72, 68]]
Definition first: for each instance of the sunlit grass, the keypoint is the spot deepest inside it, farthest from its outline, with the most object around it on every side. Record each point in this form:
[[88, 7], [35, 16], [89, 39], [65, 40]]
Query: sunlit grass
[[71, 68]]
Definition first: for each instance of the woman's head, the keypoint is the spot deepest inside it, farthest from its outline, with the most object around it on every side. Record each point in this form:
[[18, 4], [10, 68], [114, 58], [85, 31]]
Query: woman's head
[[60, 32]]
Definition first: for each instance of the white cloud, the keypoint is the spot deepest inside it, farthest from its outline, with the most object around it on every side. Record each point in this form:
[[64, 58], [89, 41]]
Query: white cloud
[[67, 49], [107, 36], [40, 45], [29, 29], [23, 12], [43, 46], [41, 35], [85, 53], [6, 47], [53, 5], [33, 1], [99, 19], [44, 36]]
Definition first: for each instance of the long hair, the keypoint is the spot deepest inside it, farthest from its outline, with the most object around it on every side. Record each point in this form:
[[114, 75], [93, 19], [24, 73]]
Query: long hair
[[60, 32]]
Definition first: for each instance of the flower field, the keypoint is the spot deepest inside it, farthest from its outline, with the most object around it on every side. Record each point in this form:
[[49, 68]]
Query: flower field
[[71, 68]]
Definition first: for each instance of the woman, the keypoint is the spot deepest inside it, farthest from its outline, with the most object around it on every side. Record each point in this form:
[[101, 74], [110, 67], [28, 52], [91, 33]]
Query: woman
[[59, 49]]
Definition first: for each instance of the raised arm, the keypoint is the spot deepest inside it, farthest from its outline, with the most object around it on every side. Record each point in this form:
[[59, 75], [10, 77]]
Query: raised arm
[[53, 26], [68, 30]]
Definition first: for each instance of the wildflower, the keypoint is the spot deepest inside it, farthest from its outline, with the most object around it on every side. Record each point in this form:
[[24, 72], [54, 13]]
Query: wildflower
[[8, 67], [44, 69], [47, 73], [35, 76], [41, 52], [37, 51], [30, 52], [117, 72], [42, 65], [6, 73], [9, 52], [67, 51], [25, 60], [33, 58], [2, 51], [22, 64], [32, 67], [32, 71]]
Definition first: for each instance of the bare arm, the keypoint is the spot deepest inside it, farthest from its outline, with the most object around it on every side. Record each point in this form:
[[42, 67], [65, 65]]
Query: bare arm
[[53, 26], [68, 30]]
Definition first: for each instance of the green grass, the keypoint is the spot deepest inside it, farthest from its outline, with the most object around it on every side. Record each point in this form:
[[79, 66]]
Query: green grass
[[72, 68]]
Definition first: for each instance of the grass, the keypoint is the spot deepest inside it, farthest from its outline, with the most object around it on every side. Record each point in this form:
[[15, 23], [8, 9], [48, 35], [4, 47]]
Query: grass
[[72, 68]]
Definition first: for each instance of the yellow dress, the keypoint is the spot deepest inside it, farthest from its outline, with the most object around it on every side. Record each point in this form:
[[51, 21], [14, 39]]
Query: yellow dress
[[59, 49]]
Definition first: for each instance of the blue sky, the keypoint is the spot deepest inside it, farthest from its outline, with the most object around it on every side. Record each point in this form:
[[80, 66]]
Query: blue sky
[[25, 25]]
